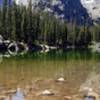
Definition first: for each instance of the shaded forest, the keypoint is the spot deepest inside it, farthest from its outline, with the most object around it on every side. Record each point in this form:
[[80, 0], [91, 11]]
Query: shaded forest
[[21, 23]]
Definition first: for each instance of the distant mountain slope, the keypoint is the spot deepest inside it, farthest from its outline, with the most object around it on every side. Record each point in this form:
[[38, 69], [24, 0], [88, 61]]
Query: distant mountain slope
[[63, 9], [79, 10]]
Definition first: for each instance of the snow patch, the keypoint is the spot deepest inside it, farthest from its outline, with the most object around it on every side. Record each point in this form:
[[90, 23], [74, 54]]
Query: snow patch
[[92, 7]]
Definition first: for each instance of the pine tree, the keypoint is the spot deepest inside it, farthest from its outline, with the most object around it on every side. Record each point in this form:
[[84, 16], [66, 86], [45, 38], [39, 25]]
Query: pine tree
[[8, 22], [64, 35], [30, 31], [13, 20], [4, 11], [19, 23], [1, 22], [24, 24]]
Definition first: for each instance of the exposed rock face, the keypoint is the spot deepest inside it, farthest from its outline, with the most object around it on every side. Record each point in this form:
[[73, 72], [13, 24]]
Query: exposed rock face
[[93, 8]]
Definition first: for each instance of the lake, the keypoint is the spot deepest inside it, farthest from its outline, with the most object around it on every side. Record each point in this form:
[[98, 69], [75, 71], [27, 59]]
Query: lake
[[36, 72]]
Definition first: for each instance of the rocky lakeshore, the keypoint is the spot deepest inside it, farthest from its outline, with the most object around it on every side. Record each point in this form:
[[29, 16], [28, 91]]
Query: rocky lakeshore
[[49, 89]]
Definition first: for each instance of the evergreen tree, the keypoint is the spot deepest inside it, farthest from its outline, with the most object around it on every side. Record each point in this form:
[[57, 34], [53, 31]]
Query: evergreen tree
[[13, 21], [23, 31], [4, 12], [8, 23], [1, 22], [30, 31], [20, 23], [96, 34]]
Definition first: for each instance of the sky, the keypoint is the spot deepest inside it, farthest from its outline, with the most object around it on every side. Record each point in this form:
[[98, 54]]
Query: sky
[[1, 1]]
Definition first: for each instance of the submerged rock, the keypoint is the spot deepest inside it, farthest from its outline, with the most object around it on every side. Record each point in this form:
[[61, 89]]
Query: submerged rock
[[92, 83], [9, 92], [91, 96], [61, 79], [47, 93], [3, 97], [68, 98]]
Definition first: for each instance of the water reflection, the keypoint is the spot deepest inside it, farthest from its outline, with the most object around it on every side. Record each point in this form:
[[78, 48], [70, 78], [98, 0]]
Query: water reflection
[[19, 95], [90, 98], [83, 54], [1, 58]]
